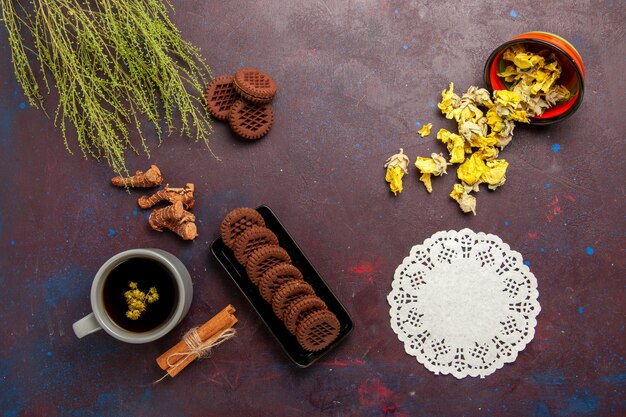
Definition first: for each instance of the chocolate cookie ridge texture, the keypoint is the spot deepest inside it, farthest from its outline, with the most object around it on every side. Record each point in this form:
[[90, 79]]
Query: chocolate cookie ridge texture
[[251, 120], [301, 308], [252, 239], [275, 277], [288, 292], [220, 95], [255, 85], [263, 259], [318, 330], [238, 221]]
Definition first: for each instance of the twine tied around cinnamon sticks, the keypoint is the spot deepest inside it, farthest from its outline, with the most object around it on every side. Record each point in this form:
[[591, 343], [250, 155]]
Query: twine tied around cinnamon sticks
[[199, 348], [198, 342]]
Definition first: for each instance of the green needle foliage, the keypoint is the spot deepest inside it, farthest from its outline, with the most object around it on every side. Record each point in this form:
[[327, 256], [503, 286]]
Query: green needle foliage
[[114, 64]]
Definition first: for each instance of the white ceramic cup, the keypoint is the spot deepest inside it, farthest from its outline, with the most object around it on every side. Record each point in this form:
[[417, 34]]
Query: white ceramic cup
[[99, 319]]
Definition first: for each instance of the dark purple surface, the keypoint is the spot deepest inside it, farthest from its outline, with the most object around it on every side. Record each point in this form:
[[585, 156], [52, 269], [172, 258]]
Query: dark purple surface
[[354, 79]]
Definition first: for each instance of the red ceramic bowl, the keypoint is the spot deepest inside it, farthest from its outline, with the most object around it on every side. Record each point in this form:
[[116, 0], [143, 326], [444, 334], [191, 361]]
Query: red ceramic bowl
[[572, 76]]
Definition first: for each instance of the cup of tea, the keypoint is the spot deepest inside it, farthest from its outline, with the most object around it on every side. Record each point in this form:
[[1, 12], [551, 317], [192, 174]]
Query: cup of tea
[[161, 298]]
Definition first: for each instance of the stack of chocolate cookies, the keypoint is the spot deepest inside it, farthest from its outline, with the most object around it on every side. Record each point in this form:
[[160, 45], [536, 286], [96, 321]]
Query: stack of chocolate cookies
[[280, 283], [244, 101]]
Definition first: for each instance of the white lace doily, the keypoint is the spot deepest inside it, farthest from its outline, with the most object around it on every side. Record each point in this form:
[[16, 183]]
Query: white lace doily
[[464, 303]]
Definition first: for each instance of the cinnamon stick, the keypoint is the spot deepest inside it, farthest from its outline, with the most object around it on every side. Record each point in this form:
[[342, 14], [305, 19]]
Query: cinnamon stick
[[186, 360], [212, 328]]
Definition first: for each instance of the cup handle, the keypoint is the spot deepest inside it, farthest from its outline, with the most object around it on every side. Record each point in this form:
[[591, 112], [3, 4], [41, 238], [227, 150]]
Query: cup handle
[[86, 325]]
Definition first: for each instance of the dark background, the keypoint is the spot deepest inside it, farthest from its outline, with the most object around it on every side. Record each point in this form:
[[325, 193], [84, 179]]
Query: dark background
[[355, 77]]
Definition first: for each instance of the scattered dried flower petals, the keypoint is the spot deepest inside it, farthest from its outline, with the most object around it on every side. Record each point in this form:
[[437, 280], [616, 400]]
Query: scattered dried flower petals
[[486, 122], [482, 134]]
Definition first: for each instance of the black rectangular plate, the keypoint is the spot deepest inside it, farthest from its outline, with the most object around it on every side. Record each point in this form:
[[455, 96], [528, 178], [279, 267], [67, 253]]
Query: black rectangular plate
[[287, 341]]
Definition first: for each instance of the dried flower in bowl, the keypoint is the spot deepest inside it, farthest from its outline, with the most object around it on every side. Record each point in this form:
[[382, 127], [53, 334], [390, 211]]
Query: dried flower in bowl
[[548, 55]]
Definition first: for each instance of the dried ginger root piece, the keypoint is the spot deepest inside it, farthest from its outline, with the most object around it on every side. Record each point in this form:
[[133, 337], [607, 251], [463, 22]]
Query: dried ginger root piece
[[186, 230], [166, 217], [151, 178], [396, 168], [184, 195], [175, 218]]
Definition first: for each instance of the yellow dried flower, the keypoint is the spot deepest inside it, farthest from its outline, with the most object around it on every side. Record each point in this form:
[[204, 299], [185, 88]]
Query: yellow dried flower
[[482, 142], [467, 202], [471, 170], [425, 130], [397, 165], [152, 295], [449, 101], [394, 178], [495, 173], [137, 300], [455, 144], [526, 61], [478, 96], [469, 129], [506, 98], [487, 153], [501, 130], [508, 106], [435, 165], [513, 50], [557, 93]]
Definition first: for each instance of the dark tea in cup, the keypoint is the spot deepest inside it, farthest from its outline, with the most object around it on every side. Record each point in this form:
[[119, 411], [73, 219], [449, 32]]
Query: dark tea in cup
[[146, 273]]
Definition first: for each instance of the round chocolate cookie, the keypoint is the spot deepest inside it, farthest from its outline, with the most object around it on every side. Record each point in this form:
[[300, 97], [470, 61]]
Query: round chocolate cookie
[[252, 239], [220, 95], [276, 276], [250, 120], [263, 259], [318, 330], [255, 85], [299, 309], [236, 222], [288, 292]]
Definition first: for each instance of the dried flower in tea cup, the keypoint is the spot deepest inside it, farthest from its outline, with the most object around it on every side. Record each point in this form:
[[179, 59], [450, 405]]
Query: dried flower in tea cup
[[138, 300]]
